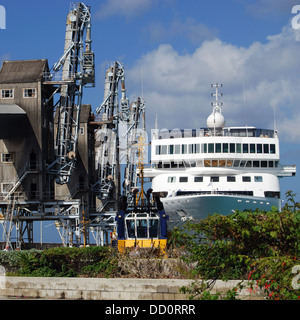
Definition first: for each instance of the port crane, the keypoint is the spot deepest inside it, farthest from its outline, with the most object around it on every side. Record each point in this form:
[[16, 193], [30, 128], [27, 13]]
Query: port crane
[[72, 72]]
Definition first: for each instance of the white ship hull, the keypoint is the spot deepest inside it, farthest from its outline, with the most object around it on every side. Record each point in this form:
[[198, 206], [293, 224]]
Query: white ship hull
[[200, 206]]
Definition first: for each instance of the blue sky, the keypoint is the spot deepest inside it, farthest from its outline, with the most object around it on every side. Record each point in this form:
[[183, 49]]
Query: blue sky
[[182, 47]]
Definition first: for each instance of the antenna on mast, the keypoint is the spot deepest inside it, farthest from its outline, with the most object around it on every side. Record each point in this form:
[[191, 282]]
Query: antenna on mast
[[216, 122]]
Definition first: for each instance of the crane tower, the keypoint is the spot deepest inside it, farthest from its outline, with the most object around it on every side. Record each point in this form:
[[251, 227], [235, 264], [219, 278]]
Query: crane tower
[[73, 71]]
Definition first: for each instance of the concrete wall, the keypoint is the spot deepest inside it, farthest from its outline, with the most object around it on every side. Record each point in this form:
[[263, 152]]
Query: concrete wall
[[107, 289]]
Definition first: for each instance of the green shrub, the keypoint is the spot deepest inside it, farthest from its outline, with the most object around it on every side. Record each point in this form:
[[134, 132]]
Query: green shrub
[[255, 243], [66, 262]]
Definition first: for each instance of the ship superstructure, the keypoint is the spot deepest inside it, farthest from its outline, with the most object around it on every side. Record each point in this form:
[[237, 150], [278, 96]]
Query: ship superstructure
[[216, 169]]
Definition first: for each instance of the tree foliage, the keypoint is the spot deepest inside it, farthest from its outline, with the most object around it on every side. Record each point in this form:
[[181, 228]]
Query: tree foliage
[[250, 245]]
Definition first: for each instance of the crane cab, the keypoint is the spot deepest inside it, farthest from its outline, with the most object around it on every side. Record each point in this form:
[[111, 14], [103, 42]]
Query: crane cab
[[142, 230]]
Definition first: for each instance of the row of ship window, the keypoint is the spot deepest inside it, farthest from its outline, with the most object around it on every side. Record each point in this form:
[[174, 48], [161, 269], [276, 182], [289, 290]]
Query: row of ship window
[[216, 148], [173, 179], [218, 163]]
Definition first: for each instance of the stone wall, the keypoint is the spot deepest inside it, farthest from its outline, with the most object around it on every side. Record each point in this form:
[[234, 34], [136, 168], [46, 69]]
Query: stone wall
[[107, 289]]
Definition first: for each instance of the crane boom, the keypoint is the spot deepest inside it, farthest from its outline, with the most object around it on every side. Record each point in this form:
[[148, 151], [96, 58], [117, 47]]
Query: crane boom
[[78, 71]]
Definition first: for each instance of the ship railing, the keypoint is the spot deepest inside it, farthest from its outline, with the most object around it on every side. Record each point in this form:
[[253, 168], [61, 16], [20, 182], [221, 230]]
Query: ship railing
[[205, 132]]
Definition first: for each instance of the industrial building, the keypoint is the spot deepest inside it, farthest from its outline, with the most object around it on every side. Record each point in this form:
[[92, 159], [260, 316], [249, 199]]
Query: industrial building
[[59, 160]]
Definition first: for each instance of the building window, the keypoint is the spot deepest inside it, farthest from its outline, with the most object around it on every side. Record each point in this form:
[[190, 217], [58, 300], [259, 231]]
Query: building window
[[6, 186], [183, 179], [218, 148], [171, 149], [29, 93], [198, 179], [7, 157], [211, 148], [7, 93], [197, 148], [238, 147], [191, 148], [252, 148], [171, 179]]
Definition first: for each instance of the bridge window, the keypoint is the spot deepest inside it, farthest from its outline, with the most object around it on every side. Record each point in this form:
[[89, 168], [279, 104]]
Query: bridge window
[[258, 179], [225, 147], [157, 149], [211, 148], [232, 147], [272, 148], [266, 148], [164, 149], [198, 179], [259, 148], [183, 179]]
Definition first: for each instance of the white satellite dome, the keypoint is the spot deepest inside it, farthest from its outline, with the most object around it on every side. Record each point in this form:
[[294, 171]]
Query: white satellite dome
[[215, 120]]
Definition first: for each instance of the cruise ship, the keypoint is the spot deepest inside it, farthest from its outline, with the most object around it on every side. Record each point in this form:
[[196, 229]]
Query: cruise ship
[[216, 169]]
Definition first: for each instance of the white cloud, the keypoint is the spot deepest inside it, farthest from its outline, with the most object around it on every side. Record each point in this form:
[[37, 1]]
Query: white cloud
[[127, 8], [177, 86]]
